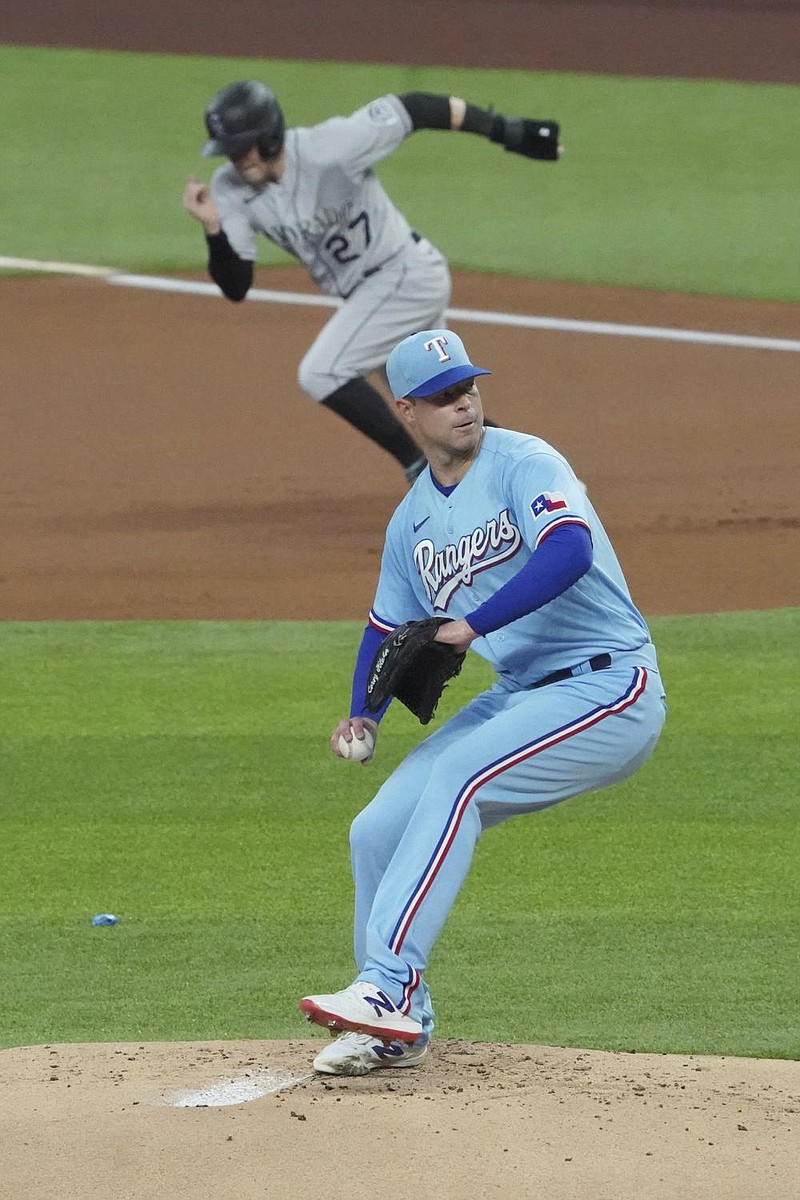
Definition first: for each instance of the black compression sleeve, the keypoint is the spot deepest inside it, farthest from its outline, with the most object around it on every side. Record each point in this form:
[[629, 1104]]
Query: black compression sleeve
[[358, 402], [427, 111], [232, 275], [481, 121]]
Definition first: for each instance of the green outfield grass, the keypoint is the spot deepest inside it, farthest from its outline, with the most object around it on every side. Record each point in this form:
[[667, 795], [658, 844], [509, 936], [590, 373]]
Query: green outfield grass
[[174, 774], [666, 184]]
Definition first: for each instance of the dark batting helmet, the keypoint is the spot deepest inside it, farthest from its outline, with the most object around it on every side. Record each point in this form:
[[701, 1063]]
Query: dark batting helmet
[[243, 115]]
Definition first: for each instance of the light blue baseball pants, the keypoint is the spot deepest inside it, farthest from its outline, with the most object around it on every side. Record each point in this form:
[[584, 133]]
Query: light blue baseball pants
[[504, 754]]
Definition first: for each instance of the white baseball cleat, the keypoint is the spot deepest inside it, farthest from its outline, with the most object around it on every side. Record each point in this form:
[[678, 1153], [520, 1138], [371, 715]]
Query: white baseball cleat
[[360, 1053], [362, 1008]]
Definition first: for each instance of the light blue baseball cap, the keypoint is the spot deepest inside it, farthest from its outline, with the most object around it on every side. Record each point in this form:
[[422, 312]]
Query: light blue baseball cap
[[428, 362]]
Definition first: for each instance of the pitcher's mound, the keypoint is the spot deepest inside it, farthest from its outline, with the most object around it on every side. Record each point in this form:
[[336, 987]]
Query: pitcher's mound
[[186, 1121]]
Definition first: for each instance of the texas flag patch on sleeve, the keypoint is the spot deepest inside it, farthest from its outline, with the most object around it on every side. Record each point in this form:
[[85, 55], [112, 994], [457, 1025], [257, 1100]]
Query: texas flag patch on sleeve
[[548, 502]]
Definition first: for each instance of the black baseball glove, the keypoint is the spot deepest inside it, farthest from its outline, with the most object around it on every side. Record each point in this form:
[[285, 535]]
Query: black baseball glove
[[534, 139], [413, 667]]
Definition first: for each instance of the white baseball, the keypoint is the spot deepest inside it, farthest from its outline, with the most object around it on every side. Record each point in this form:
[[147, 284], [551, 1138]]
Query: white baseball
[[357, 750]]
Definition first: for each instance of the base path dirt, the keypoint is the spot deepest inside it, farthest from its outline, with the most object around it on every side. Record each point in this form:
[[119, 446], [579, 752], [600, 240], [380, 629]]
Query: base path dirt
[[160, 461]]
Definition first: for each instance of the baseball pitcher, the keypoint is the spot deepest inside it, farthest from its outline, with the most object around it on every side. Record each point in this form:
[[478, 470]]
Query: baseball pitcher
[[497, 541]]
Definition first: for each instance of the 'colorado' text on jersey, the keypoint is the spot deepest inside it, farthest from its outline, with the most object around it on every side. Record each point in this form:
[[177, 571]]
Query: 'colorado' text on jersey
[[329, 209]]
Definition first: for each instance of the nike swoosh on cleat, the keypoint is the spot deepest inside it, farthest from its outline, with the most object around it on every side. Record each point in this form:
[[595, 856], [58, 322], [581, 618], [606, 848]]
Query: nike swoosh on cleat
[[418, 524]]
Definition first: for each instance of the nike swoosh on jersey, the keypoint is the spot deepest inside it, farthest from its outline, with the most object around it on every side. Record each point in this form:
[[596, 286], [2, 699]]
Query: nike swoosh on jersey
[[418, 524]]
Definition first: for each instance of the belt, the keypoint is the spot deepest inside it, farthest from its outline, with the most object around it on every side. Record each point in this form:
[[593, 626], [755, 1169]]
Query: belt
[[415, 237], [599, 663]]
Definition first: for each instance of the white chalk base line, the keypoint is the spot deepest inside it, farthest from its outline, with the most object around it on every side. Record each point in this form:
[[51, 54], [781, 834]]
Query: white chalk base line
[[474, 316]]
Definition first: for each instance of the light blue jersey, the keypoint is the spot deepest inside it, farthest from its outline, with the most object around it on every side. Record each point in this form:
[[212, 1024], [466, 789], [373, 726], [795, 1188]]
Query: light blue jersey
[[447, 554]]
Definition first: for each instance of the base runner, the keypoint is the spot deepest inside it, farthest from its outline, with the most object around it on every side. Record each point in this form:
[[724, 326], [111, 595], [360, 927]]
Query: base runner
[[314, 192]]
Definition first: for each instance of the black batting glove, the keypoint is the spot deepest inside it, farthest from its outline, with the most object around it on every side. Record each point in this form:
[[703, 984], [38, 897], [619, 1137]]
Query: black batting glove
[[520, 135], [533, 139]]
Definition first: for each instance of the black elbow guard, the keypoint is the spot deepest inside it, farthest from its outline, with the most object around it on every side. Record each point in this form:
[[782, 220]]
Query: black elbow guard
[[427, 111]]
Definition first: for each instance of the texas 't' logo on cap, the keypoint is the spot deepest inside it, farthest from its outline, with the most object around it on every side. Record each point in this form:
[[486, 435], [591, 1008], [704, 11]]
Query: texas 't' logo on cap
[[429, 362], [438, 344]]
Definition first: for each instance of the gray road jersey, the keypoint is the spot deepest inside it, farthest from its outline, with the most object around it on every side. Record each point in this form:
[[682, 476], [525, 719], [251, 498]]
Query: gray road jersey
[[329, 209]]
